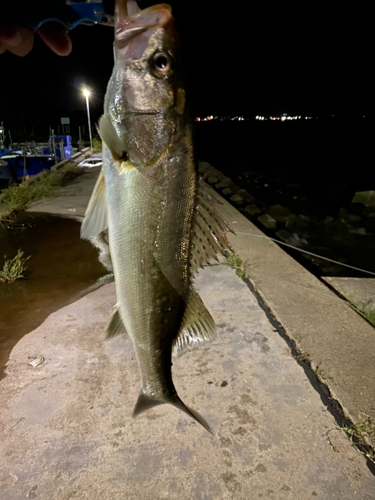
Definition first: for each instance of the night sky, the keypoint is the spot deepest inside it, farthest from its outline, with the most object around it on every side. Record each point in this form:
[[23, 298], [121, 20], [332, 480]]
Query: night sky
[[263, 59]]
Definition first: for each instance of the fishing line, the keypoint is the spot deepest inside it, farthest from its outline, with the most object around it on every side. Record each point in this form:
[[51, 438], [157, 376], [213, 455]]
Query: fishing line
[[309, 253]]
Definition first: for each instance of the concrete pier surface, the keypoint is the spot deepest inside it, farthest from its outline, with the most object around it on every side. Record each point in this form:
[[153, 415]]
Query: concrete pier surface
[[66, 430]]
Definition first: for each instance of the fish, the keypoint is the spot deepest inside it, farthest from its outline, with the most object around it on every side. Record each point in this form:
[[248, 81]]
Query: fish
[[161, 219]]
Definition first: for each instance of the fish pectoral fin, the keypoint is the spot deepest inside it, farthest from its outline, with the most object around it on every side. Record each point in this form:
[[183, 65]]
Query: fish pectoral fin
[[145, 402], [197, 327], [110, 137], [95, 220], [115, 325], [210, 230]]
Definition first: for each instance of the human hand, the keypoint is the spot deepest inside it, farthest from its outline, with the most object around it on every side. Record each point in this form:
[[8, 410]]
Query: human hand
[[20, 40]]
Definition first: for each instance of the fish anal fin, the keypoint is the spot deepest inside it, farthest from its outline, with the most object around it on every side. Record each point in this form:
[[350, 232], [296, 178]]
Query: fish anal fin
[[115, 325], [95, 220], [197, 327]]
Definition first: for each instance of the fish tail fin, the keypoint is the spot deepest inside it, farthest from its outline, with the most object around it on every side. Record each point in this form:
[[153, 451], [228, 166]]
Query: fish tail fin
[[145, 402], [178, 403]]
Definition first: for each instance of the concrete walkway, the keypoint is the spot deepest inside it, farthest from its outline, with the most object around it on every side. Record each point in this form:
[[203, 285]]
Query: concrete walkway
[[72, 199], [66, 429], [337, 341]]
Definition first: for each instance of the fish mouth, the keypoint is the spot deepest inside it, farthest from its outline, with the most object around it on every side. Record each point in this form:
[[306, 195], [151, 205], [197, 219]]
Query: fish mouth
[[133, 28]]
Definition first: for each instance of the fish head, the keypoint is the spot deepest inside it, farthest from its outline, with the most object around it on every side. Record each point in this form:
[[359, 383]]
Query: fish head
[[145, 97]]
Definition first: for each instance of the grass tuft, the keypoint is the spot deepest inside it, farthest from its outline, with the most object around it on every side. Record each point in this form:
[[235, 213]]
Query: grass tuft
[[238, 264], [361, 430], [18, 196], [14, 269], [369, 314]]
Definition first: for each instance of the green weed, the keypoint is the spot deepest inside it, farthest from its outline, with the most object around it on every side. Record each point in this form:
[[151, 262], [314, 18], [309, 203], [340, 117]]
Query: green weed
[[70, 168], [369, 314], [238, 264], [44, 185], [18, 196], [366, 312], [14, 269], [363, 429]]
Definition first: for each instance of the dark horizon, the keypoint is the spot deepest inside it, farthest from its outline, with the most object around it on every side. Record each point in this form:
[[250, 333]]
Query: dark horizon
[[273, 61]]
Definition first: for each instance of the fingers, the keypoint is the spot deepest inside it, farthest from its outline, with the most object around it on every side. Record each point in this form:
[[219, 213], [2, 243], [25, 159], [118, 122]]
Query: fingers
[[55, 36], [17, 39], [20, 40]]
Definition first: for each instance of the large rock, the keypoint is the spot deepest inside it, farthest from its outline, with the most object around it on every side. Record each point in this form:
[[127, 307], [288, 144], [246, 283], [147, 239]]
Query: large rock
[[296, 223], [203, 166], [208, 173], [285, 236], [224, 183], [267, 221], [227, 191], [367, 198], [219, 174], [212, 172], [253, 210], [279, 213], [212, 179], [245, 195], [237, 199]]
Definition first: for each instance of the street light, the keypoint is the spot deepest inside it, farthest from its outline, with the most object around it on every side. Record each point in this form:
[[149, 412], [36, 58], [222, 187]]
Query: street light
[[86, 93]]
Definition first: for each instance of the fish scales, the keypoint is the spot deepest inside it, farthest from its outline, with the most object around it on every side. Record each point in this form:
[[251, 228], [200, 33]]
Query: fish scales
[[150, 254]]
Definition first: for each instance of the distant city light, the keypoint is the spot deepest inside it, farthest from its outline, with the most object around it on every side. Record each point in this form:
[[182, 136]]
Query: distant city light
[[280, 117]]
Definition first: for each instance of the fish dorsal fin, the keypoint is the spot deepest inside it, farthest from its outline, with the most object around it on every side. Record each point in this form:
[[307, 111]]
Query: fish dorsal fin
[[110, 137], [197, 328], [95, 220], [115, 325], [209, 228]]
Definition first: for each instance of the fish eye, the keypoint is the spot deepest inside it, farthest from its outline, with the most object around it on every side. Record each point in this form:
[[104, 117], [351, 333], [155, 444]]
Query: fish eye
[[161, 63]]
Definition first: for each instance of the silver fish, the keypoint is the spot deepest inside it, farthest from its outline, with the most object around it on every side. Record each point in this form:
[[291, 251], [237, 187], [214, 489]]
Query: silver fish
[[161, 220]]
